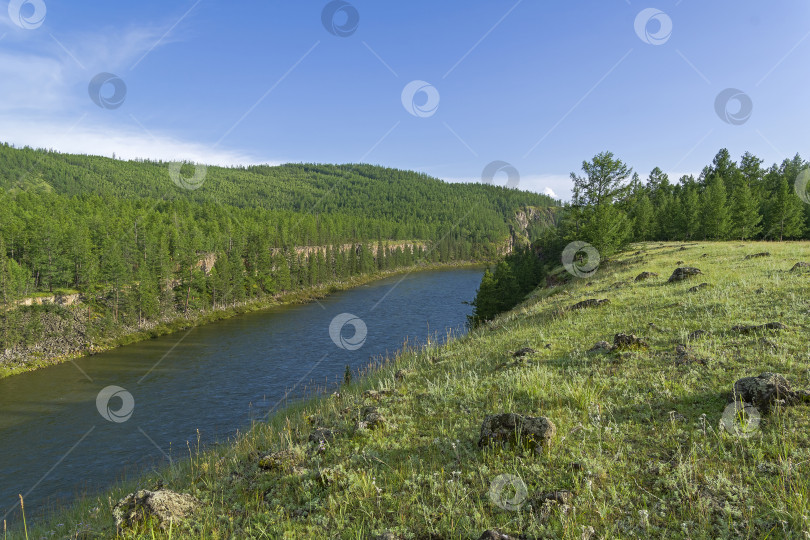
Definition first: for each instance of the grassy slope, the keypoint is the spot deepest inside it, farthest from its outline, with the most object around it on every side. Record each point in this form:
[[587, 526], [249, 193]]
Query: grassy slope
[[636, 468]]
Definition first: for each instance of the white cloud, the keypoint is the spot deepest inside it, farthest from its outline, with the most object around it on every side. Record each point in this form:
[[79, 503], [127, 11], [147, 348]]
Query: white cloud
[[550, 192], [79, 137], [39, 104]]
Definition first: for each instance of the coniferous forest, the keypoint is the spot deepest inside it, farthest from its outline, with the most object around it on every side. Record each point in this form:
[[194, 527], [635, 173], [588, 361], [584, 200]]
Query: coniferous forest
[[133, 245], [612, 207]]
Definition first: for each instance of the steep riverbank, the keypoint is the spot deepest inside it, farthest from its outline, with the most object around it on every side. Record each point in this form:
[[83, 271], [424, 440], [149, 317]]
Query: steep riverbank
[[65, 324], [625, 405]]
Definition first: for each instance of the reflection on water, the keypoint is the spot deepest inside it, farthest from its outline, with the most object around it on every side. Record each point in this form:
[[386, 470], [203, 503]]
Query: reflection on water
[[59, 437]]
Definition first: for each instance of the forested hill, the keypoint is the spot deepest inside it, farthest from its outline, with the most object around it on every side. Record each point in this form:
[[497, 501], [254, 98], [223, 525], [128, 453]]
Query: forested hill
[[140, 242], [404, 197]]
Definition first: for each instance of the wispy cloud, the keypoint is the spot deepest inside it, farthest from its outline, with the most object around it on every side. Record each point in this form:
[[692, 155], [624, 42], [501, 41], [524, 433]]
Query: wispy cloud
[[43, 96], [81, 137]]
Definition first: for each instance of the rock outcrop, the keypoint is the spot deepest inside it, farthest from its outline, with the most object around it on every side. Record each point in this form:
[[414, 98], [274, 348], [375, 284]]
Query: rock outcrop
[[684, 272], [515, 429], [766, 390], [164, 505]]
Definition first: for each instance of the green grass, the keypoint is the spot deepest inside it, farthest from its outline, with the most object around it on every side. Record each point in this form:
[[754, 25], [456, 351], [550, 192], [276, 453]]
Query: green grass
[[638, 438]]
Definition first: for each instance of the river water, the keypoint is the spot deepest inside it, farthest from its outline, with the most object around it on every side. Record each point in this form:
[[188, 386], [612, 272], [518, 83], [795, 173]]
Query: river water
[[62, 435]]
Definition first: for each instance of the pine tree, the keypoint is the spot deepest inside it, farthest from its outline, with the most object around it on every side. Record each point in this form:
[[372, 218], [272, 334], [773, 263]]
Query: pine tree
[[745, 217], [642, 214], [714, 209], [604, 225], [784, 211], [690, 208]]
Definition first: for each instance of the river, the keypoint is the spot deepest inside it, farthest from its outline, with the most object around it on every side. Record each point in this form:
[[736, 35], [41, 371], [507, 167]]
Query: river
[[75, 428]]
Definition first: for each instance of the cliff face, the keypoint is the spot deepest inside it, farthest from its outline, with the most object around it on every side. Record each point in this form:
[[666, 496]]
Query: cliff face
[[58, 299], [526, 220]]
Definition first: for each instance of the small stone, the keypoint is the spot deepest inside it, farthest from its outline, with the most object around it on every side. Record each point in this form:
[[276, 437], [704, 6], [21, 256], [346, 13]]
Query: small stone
[[757, 255], [675, 416], [629, 341], [747, 329], [696, 288], [492, 534], [696, 335], [683, 272], [602, 346], [685, 356], [678, 262], [520, 353], [591, 302], [562, 496], [511, 428], [321, 436], [767, 343], [277, 461], [645, 275], [370, 418]]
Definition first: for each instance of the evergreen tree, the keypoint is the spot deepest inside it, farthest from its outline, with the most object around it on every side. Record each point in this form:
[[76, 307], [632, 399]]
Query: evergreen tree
[[784, 211], [745, 217], [715, 212], [604, 225]]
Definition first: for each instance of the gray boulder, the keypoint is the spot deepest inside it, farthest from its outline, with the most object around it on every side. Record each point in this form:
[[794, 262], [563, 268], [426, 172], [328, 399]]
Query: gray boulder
[[747, 329], [629, 341], [766, 390], [512, 428], [684, 272], [589, 303], [164, 505]]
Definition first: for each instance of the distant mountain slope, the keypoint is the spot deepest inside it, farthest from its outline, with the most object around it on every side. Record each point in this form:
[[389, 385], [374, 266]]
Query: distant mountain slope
[[391, 194]]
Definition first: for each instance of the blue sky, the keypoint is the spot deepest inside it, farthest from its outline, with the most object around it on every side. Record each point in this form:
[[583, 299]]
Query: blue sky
[[542, 85]]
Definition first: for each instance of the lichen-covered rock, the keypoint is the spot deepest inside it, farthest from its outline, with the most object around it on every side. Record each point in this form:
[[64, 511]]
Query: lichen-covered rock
[[560, 496], [747, 329], [697, 334], [766, 390], [492, 534], [321, 435], [698, 287], [370, 418], [164, 505], [646, 275], [629, 341], [278, 461], [514, 428], [684, 272], [799, 265], [589, 303], [602, 346]]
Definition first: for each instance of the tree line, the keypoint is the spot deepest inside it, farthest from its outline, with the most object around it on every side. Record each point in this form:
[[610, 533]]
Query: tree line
[[727, 201], [611, 206]]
